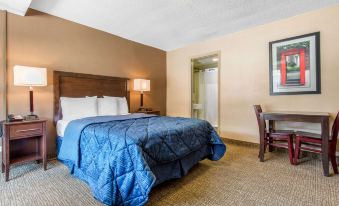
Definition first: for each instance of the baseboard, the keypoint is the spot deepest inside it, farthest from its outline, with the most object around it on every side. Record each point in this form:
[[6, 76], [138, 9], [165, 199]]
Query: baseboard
[[240, 142], [252, 144], [246, 139]]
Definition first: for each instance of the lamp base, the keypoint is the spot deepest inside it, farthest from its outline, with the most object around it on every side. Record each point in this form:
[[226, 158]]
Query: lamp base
[[142, 109], [31, 117]]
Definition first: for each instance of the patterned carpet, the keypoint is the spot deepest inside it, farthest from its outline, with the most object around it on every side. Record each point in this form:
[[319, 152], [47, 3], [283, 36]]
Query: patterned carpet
[[238, 179]]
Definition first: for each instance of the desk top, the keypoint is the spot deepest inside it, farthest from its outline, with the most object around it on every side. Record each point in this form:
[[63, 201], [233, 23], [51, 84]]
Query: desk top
[[323, 114], [315, 117]]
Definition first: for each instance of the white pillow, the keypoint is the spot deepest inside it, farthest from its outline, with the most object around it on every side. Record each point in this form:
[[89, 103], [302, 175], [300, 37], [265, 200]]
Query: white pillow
[[122, 105], [77, 108], [108, 106]]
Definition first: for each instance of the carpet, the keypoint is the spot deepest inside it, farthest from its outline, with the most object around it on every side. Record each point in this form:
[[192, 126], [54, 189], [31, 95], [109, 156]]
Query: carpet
[[238, 179]]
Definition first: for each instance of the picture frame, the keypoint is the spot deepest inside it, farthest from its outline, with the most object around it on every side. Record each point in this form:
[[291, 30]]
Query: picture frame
[[294, 65]]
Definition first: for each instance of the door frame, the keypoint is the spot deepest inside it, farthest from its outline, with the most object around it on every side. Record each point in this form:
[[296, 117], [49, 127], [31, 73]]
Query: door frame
[[218, 53]]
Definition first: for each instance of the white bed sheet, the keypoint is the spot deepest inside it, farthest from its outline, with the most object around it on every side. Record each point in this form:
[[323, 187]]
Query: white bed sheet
[[61, 127], [62, 124]]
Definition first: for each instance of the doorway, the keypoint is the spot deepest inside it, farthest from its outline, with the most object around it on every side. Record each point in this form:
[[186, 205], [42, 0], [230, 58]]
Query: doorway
[[205, 89]]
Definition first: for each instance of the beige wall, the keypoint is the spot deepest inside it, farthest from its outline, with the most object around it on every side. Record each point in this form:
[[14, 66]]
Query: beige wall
[[244, 73], [2, 65], [43, 40]]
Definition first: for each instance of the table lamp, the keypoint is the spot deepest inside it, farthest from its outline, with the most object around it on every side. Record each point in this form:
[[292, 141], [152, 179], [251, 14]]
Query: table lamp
[[30, 77], [142, 85]]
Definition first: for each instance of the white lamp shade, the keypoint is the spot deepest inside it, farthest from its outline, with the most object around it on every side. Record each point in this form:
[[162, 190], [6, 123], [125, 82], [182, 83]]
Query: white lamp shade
[[29, 76], [142, 85]]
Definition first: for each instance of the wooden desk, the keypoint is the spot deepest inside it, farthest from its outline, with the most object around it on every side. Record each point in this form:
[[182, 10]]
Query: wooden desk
[[313, 117]]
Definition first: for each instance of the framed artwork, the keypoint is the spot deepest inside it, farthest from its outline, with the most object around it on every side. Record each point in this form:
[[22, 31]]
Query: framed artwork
[[295, 65]]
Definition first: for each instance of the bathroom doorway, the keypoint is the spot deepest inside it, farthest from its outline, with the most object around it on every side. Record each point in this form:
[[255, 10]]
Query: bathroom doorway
[[205, 89]]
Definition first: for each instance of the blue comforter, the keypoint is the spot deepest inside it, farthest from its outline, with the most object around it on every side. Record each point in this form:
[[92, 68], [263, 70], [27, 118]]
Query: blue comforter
[[114, 154]]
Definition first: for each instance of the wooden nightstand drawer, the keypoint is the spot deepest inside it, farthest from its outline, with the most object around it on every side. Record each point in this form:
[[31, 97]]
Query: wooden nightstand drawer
[[25, 130]]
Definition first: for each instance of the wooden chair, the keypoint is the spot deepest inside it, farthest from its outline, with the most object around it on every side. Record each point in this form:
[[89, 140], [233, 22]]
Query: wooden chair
[[312, 142], [276, 138]]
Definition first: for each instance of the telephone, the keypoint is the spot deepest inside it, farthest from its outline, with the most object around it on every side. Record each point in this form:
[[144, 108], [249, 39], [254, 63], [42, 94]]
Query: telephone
[[15, 118]]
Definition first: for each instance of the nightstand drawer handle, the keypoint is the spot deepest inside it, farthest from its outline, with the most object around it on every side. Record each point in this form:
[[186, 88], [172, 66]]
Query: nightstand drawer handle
[[27, 130]]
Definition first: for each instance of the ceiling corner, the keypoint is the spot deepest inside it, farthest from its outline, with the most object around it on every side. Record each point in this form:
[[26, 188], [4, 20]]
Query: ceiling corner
[[18, 7]]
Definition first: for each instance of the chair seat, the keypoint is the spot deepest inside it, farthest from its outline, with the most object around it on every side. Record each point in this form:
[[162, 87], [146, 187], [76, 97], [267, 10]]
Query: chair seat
[[310, 141], [311, 147], [279, 144], [280, 134], [308, 134]]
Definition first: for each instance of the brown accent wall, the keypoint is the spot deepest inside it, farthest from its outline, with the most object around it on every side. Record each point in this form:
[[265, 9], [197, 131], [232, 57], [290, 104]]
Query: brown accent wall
[[42, 40]]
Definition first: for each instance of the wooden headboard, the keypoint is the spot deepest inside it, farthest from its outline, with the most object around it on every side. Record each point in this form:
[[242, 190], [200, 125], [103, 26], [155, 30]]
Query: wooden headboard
[[67, 84]]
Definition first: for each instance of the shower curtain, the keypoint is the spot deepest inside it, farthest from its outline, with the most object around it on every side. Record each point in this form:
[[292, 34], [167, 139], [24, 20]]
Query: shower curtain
[[210, 88], [208, 95]]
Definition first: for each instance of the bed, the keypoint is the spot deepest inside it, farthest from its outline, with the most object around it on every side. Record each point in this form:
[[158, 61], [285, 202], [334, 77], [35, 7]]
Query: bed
[[122, 157]]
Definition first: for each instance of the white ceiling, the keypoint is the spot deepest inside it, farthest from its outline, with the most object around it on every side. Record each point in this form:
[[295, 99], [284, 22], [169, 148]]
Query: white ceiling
[[171, 24], [18, 7]]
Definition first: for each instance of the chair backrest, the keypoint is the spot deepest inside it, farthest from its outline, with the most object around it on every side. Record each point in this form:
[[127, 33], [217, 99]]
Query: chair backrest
[[335, 129], [258, 110]]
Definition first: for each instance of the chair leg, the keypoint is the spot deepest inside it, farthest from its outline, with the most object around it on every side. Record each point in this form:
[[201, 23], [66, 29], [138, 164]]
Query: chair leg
[[334, 164], [270, 147], [297, 151], [333, 160], [290, 150], [265, 146]]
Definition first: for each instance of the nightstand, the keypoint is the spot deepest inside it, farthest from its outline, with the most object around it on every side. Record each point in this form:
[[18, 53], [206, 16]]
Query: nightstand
[[149, 112], [23, 142]]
